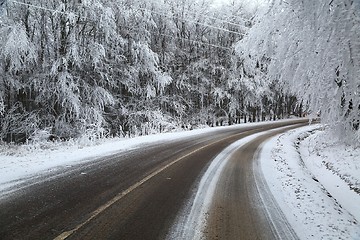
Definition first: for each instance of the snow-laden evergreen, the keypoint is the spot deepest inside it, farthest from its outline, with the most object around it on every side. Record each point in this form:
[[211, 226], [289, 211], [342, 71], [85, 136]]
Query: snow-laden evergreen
[[312, 48]]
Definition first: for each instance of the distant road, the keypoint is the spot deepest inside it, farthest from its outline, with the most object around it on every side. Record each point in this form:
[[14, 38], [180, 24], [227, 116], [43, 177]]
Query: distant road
[[139, 194]]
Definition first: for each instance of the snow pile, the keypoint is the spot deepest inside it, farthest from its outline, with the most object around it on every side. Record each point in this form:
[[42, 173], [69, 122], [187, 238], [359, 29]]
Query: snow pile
[[315, 182]]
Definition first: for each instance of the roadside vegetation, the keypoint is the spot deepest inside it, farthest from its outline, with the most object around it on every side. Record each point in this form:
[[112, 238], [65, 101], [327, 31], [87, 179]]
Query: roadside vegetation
[[98, 69], [95, 69]]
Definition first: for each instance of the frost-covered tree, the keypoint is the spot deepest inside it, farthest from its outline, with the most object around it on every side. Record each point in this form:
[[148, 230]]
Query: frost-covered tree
[[99, 68], [55, 60], [313, 47], [18, 57]]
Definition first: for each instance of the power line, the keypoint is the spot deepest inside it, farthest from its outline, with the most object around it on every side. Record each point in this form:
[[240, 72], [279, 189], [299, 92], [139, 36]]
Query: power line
[[166, 35], [68, 13], [222, 20], [195, 41], [2, 2], [43, 8], [219, 19], [190, 40], [191, 21], [210, 17]]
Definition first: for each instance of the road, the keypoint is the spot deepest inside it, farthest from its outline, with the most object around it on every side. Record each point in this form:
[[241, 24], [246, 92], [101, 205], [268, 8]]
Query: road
[[140, 194]]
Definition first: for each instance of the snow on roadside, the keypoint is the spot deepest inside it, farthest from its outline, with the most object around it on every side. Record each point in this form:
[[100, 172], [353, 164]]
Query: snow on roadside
[[315, 182], [18, 164]]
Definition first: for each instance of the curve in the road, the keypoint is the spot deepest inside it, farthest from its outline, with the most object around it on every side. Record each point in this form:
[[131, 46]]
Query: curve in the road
[[222, 207], [118, 197], [140, 193]]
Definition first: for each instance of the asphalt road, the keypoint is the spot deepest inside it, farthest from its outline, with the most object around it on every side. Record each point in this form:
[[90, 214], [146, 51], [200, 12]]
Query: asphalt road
[[243, 206], [138, 194]]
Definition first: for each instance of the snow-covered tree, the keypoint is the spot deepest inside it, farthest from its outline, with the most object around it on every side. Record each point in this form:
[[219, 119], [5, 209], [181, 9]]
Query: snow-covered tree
[[95, 67], [313, 47]]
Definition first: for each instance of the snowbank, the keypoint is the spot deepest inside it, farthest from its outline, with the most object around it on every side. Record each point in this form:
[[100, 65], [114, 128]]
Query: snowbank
[[315, 181]]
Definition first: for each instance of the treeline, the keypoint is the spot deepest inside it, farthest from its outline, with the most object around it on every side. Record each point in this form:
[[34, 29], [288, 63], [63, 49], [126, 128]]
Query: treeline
[[125, 67]]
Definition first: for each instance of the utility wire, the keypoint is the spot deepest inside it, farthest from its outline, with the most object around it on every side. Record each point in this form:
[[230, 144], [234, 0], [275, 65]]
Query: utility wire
[[62, 12], [43, 8], [195, 41], [186, 39], [68, 13], [191, 21], [222, 20], [166, 35], [219, 19], [210, 17]]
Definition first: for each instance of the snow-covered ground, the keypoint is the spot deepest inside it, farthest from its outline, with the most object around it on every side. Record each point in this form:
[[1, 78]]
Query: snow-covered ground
[[316, 182], [19, 164]]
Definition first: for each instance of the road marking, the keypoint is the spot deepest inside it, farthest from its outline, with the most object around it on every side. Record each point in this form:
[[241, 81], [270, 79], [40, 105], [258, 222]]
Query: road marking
[[121, 195], [191, 221]]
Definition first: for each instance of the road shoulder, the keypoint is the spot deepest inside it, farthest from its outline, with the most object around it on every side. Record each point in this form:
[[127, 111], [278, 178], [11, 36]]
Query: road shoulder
[[304, 192]]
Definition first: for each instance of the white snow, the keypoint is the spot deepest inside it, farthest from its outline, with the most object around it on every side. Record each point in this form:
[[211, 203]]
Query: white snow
[[19, 164], [314, 179]]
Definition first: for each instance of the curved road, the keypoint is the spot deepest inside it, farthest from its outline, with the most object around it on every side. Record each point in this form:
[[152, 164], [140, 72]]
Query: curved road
[[139, 194]]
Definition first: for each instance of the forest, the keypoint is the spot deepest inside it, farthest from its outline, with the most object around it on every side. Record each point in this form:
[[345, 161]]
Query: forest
[[123, 68]]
